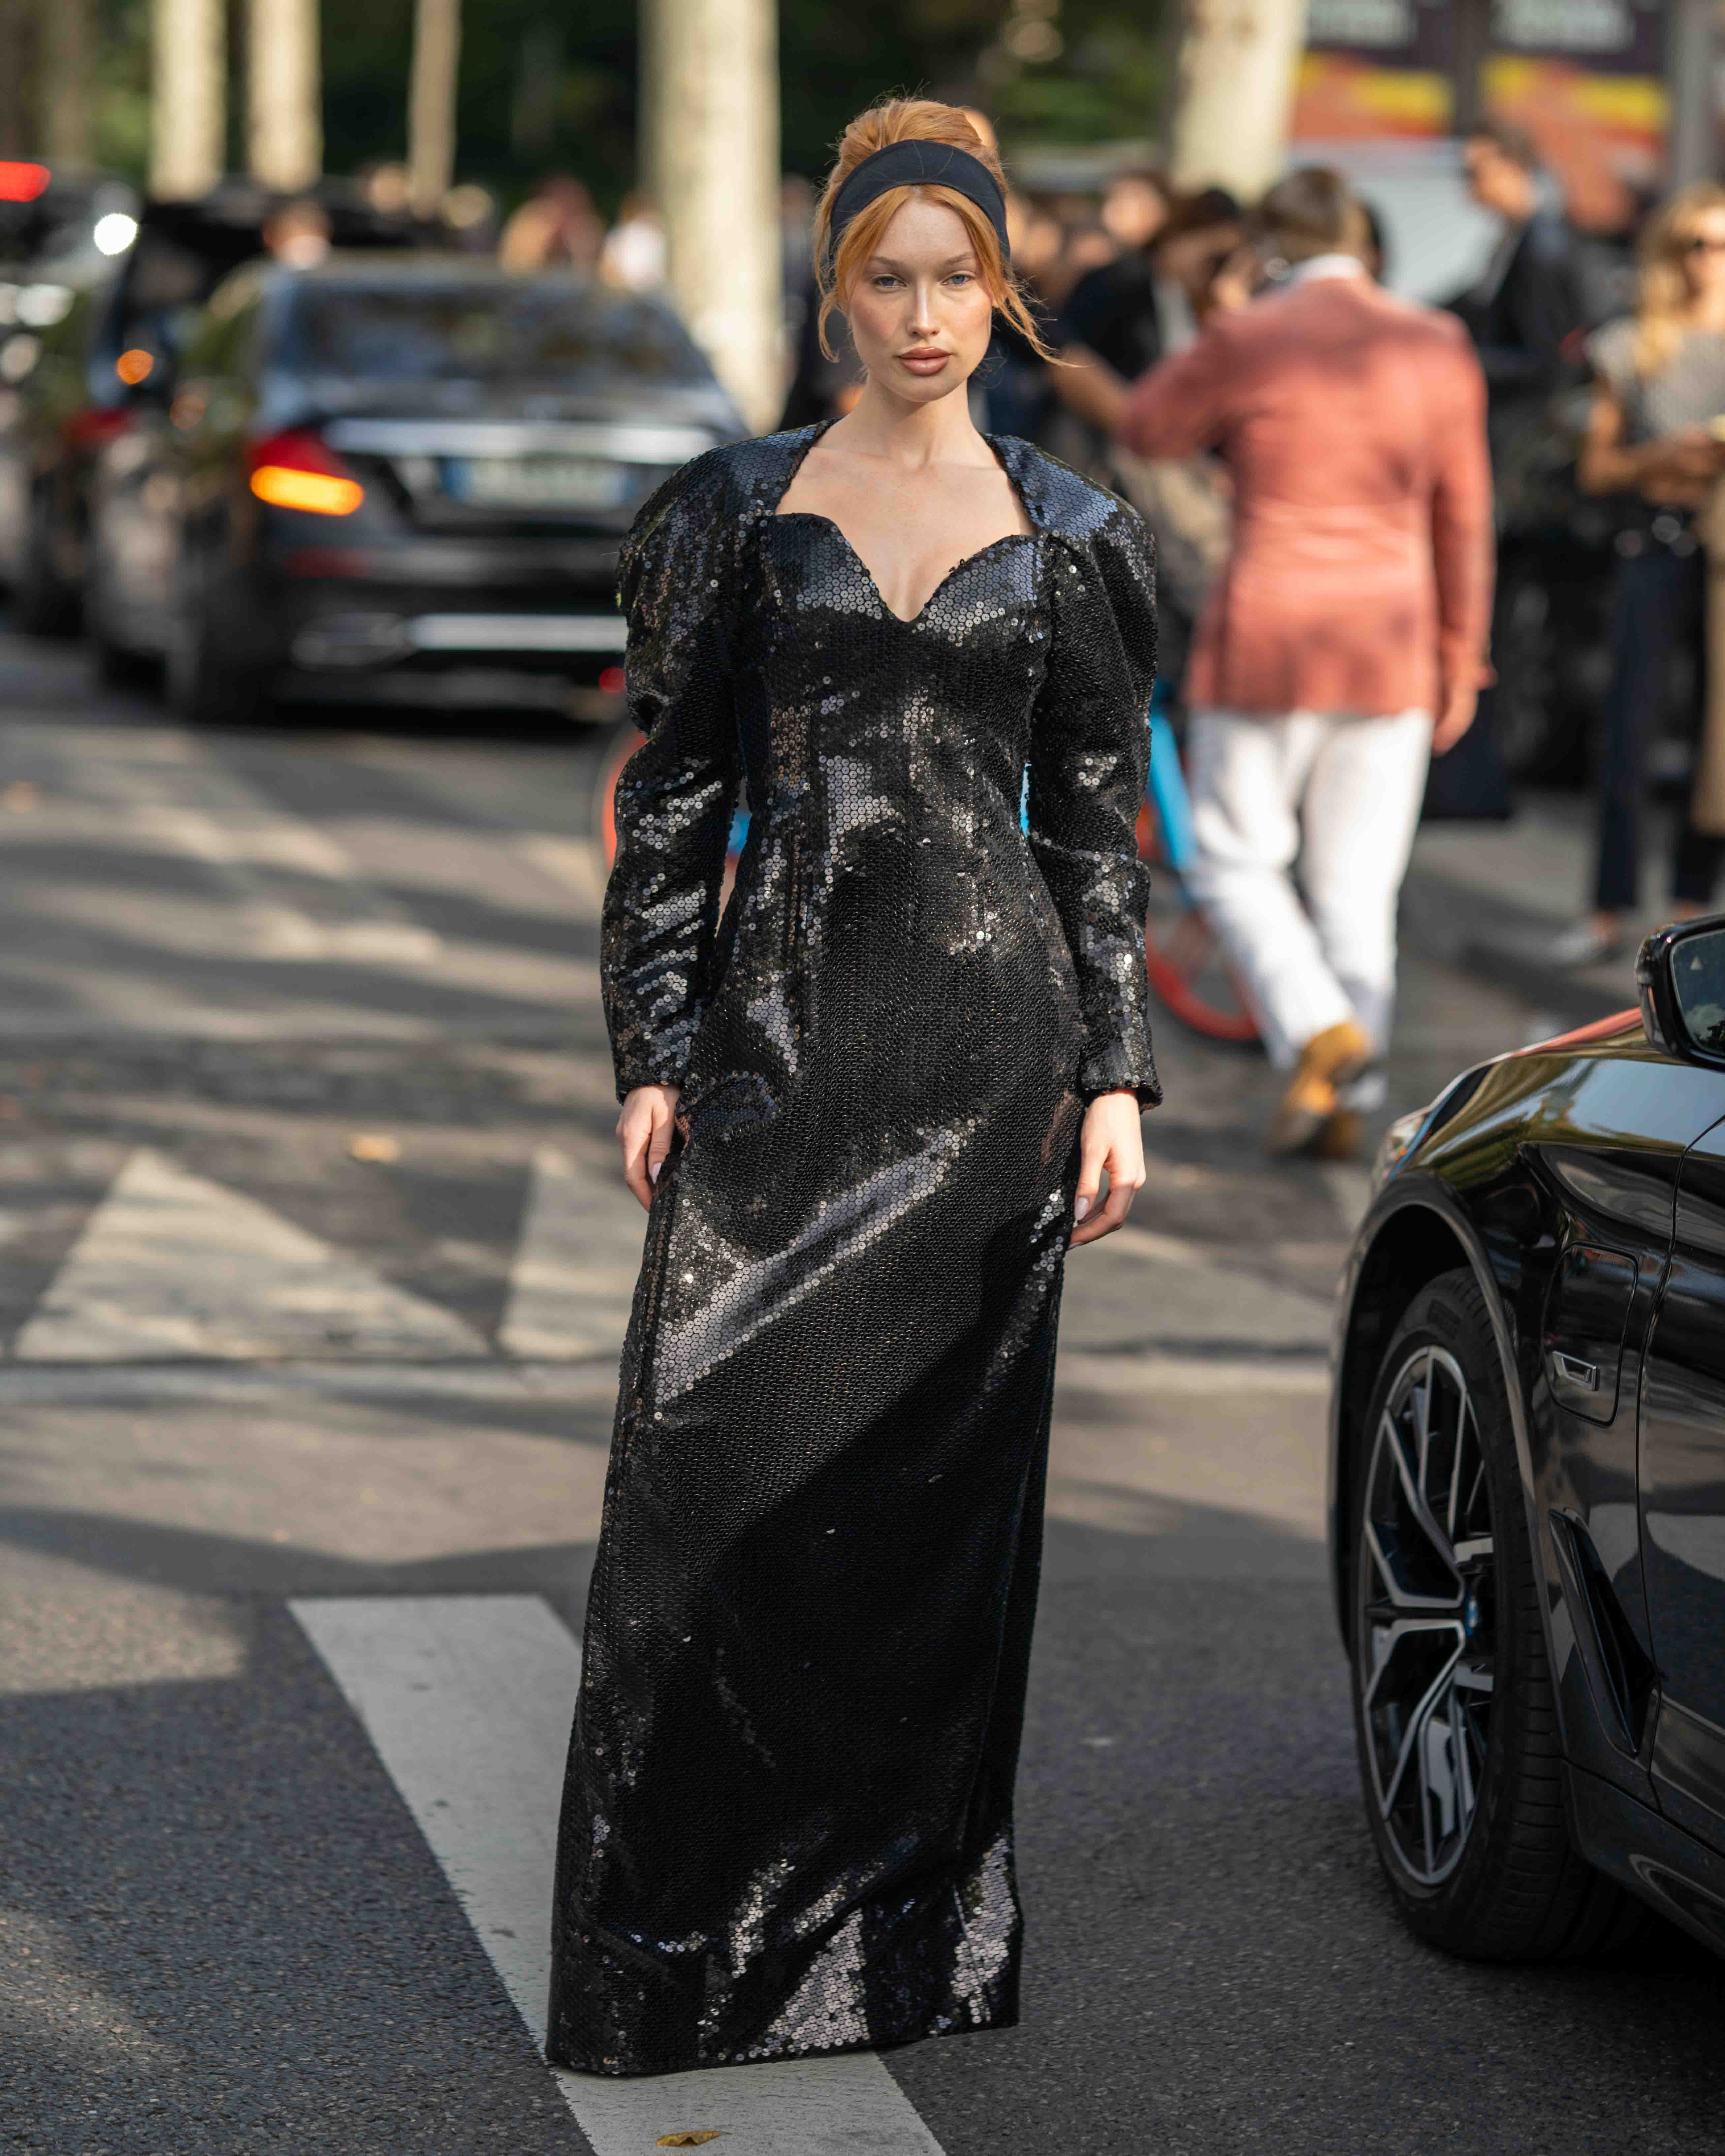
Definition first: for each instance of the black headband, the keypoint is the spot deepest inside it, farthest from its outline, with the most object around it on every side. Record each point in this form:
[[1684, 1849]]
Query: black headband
[[919, 164]]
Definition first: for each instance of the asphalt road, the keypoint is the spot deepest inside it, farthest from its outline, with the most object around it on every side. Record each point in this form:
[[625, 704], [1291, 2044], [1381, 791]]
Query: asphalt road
[[312, 1267]]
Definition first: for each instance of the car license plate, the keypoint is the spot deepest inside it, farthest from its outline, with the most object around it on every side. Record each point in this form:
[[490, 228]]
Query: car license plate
[[535, 482]]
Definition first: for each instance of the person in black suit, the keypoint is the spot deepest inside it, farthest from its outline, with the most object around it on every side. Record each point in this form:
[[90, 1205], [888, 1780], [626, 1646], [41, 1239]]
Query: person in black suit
[[1527, 314], [1150, 301], [1526, 310]]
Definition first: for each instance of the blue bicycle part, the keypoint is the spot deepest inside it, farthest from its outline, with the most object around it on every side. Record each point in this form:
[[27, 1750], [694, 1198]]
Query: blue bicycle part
[[1167, 793]]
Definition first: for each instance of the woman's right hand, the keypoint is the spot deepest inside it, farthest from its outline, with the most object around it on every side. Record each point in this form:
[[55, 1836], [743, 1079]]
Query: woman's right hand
[[1694, 454], [643, 1131], [1678, 469]]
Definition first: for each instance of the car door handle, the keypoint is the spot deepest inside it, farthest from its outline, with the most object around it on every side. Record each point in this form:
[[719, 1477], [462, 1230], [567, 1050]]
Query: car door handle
[[1578, 1372]]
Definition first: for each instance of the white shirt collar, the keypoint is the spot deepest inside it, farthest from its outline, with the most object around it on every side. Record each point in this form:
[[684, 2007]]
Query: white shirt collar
[[1325, 265]]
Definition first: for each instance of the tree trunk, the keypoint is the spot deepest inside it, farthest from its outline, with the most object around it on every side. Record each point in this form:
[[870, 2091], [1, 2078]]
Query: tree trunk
[[188, 100], [20, 32], [283, 94], [1691, 49], [64, 132], [431, 101], [1234, 93], [711, 129]]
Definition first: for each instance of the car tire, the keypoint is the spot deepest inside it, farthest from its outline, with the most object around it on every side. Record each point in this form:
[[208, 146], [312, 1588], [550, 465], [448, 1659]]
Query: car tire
[[42, 603], [1462, 1772], [118, 666], [202, 684]]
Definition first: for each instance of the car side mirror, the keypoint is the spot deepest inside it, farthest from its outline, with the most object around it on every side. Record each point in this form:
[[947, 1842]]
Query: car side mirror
[[1681, 978]]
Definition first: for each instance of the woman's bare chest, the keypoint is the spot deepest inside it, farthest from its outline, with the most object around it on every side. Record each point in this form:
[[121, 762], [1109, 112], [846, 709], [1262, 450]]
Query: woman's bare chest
[[910, 536]]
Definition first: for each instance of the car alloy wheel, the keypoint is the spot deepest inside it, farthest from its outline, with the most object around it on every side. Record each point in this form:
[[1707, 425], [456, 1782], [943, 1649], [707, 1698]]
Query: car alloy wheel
[[1425, 1637], [1460, 1753]]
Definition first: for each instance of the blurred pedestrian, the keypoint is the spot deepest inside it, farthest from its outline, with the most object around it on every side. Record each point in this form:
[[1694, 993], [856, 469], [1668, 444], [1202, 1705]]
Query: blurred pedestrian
[[633, 256], [1151, 299], [556, 228], [796, 222], [388, 186], [298, 233], [1526, 309], [1658, 385], [1086, 245], [1345, 640], [1142, 308], [1526, 314], [1135, 206], [470, 217], [1039, 240]]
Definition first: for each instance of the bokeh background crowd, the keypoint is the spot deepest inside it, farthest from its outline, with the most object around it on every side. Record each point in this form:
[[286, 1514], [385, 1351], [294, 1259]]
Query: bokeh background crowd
[[1514, 156]]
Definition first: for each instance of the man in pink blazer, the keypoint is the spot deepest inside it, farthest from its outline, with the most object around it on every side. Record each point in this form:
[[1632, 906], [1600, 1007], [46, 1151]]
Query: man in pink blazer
[[1345, 640]]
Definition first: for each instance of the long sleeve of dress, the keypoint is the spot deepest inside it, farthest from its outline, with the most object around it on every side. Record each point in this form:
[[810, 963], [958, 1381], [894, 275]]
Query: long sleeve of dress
[[675, 794], [1090, 757]]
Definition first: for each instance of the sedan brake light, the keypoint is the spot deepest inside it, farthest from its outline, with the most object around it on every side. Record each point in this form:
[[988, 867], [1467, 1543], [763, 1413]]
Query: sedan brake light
[[92, 424], [296, 470], [21, 181]]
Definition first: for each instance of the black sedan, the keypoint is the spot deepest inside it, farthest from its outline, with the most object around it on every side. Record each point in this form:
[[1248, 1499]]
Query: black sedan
[[1527, 1488], [399, 478], [89, 329]]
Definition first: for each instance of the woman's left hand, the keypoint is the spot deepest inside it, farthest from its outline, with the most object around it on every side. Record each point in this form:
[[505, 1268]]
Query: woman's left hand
[[1112, 1138]]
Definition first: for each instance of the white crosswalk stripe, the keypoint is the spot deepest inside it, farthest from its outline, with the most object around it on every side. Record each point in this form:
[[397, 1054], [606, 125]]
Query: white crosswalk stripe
[[172, 1265], [574, 1270], [574, 1274], [467, 1700]]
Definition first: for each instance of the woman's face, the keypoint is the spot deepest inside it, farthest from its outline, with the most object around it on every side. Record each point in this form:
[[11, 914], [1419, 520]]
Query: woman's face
[[919, 315], [1134, 209], [1703, 253]]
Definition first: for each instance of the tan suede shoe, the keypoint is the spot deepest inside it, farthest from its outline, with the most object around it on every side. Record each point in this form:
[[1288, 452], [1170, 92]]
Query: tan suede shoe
[[1331, 1059], [1342, 1136]]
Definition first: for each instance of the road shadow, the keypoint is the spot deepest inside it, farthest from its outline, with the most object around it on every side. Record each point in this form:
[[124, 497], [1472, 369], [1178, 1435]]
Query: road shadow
[[223, 1933]]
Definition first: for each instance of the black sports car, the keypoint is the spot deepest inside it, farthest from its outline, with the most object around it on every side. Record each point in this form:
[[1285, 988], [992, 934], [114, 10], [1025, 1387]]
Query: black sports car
[[1527, 1482]]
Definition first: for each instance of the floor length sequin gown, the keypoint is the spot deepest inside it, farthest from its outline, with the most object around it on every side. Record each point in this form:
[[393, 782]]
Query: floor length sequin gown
[[787, 1826]]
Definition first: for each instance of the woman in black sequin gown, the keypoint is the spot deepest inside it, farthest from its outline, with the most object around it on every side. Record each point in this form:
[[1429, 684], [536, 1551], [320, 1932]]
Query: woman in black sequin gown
[[881, 1088]]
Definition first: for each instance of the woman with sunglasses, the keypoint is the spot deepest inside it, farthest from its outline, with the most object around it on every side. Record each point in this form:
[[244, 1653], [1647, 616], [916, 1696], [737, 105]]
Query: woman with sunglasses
[[1659, 387]]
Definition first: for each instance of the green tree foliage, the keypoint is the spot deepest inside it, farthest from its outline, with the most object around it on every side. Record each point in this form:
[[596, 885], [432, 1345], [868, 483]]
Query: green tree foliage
[[543, 90], [117, 40], [836, 60], [1107, 84], [547, 89], [117, 81]]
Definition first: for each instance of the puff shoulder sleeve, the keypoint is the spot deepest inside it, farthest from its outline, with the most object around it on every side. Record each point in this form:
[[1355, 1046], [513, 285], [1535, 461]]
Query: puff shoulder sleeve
[[675, 794], [1089, 760]]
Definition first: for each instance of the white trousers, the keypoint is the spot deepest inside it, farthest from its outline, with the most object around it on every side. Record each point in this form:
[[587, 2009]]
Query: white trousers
[[1340, 798]]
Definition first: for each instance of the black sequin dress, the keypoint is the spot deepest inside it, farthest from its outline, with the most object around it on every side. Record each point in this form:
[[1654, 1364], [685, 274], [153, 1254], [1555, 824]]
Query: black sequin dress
[[788, 1822]]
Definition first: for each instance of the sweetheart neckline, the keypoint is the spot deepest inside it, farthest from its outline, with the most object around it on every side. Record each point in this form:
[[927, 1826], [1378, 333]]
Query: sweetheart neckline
[[905, 620]]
